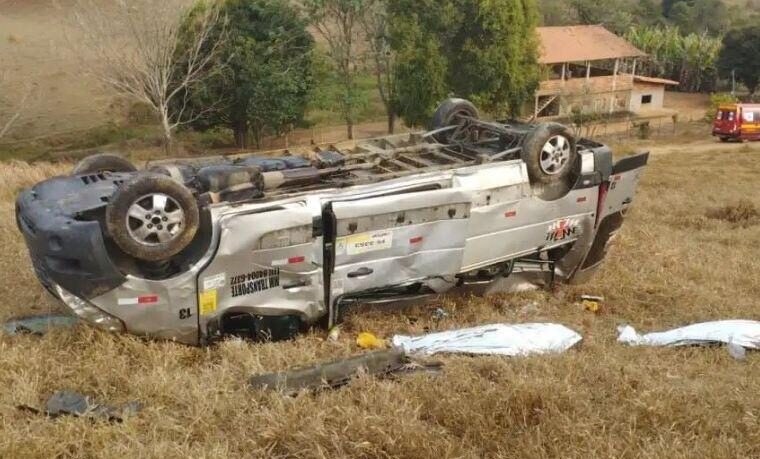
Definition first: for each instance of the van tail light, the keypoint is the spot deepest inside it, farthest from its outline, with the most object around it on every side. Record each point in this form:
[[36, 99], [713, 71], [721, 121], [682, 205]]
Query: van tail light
[[603, 188]]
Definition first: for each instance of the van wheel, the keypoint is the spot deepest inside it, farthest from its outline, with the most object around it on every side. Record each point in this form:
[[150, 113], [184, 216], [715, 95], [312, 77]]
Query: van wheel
[[724, 139], [152, 217], [550, 154], [453, 112], [103, 162]]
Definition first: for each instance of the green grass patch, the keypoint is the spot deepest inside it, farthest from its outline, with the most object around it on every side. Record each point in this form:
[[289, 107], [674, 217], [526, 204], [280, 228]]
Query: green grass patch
[[139, 133], [324, 109]]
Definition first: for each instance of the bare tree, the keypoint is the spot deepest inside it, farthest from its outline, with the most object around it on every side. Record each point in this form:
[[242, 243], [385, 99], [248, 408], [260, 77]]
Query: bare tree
[[150, 51], [375, 22], [337, 21]]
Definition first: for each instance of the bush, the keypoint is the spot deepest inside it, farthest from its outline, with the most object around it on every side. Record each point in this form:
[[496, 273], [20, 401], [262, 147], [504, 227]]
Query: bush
[[716, 100], [744, 213]]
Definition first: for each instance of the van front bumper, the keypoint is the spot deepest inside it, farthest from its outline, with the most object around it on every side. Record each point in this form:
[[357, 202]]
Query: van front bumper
[[89, 312]]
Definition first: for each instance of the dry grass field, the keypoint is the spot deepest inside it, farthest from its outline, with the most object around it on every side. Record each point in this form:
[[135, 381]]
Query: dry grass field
[[38, 56], [676, 261]]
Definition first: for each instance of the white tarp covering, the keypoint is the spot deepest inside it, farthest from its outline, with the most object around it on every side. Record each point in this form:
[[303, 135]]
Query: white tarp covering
[[497, 339], [744, 333]]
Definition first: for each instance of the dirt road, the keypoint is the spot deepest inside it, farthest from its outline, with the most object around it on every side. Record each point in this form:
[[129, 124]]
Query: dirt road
[[709, 145]]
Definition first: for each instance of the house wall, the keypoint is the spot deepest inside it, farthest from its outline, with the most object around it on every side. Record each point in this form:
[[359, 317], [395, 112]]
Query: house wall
[[603, 103], [656, 91], [581, 86], [601, 94]]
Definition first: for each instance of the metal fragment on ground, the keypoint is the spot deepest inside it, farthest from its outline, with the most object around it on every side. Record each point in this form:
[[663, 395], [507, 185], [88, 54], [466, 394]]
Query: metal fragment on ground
[[744, 333], [340, 372], [440, 314], [68, 403], [598, 299], [334, 334], [39, 325], [497, 339]]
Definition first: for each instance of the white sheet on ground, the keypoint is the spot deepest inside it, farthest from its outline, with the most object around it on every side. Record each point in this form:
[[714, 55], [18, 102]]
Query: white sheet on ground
[[745, 333], [497, 339]]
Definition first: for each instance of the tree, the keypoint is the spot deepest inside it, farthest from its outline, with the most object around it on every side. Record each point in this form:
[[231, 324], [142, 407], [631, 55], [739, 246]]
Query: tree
[[689, 59], [493, 56], [136, 48], [375, 23], [420, 71], [484, 50], [338, 22], [699, 16], [266, 75], [667, 6], [648, 13], [557, 13], [740, 52], [616, 15]]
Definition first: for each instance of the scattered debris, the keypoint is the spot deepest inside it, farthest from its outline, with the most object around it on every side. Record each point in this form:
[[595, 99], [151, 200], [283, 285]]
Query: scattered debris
[[369, 341], [334, 334], [744, 212], [737, 352], [439, 314], [598, 299], [591, 306], [742, 333], [39, 325], [67, 403], [530, 308], [517, 282], [497, 339], [340, 372], [591, 303]]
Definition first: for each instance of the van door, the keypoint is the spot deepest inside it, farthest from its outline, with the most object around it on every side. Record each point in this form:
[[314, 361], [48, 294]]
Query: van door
[[396, 239], [619, 193], [268, 264], [726, 120]]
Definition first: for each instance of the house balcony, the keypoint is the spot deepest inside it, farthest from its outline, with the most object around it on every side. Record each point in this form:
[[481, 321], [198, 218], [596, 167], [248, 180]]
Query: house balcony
[[591, 85]]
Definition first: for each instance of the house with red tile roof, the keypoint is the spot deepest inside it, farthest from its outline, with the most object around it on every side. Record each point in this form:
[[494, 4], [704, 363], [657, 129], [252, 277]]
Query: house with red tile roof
[[590, 69]]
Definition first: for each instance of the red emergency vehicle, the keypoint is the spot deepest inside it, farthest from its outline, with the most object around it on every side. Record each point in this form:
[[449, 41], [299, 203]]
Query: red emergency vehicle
[[737, 121]]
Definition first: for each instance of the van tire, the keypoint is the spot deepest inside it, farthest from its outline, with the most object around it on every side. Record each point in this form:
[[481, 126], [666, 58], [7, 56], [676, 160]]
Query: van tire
[[170, 222], [447, 115], [551, 157], [103, 162]]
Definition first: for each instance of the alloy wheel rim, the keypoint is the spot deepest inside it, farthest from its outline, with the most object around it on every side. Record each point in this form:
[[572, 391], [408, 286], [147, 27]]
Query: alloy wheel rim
[[155, 219], [555, 155]]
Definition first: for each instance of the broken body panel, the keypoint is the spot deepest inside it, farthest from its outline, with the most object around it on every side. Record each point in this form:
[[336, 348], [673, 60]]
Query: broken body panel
[[293, 260]]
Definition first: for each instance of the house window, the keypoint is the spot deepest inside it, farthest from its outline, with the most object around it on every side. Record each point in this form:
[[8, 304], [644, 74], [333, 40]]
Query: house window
[[646, 99]]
